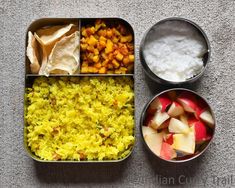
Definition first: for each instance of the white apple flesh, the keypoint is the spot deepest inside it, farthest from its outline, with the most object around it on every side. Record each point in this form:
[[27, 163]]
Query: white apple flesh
[[158, 119], [184, 143], [154, 142], [175, 109], [207, 118], [148, 130], [177, 126], [204, 114]]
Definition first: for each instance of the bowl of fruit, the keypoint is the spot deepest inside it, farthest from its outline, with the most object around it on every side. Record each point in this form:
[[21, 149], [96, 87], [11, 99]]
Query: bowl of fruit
[[177, 125]]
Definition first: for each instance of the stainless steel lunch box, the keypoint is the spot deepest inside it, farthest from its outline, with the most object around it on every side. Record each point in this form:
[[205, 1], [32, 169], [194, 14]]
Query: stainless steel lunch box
[[29, 77], [149, 72]]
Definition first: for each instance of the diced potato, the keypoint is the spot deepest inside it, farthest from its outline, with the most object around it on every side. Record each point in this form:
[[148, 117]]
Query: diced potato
[[93, 30], [83, 28], [109, 46], [96, 51], [102, 70], [102, 33], [126, 38], [98, 65], [90, 31], [110, 72], [117, 32], [119, 57], [83, 47], [123, 69], [84, 70], [115, 63], [104, 56], [95, 58], [110, 56], [83, 40], [84, 33], [124, 50], [102, 38], [105, 63], [109, 33], [126, 60], [92, 41], [115, 40], [131, 58], [84, 64], [102, 44], [118, 72], [90, 48], [92, 69]]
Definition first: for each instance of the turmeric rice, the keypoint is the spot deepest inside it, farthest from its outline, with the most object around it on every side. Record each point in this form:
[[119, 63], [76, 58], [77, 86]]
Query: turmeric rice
[[87, 118]]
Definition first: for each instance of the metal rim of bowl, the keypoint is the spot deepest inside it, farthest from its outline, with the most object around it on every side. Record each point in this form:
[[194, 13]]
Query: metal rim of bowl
[[158, 79], [142, 118]]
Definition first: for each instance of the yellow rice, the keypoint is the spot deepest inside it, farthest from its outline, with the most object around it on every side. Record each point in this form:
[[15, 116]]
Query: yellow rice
[[80, 118]]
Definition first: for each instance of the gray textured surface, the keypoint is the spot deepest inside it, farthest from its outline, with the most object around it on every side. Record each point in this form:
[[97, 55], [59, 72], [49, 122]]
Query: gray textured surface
[[216, 17]]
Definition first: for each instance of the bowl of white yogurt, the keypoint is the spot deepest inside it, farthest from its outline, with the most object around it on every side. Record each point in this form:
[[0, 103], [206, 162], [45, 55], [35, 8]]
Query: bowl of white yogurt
[[175, 51]]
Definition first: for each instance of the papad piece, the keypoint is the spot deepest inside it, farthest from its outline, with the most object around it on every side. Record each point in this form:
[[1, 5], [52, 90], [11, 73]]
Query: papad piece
[[33, 53], [64, 56], [51, 34]]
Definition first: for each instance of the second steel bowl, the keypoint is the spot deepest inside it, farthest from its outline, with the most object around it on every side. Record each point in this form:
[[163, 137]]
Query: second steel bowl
[[156, 78], [200, 148]]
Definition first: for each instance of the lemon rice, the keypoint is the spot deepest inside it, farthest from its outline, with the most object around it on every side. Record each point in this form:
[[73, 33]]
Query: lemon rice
[[88, 118]]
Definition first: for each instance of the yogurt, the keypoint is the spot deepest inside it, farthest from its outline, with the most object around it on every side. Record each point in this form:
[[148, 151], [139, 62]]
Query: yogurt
[[174, 50]]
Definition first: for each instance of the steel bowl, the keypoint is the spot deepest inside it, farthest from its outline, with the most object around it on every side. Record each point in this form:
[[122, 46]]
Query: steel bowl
[[204, 146], [152, 75]]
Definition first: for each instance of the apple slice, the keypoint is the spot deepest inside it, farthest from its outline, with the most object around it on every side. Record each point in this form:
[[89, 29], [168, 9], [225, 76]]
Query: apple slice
[[168, 138], [160, 103], [164, 125], [154, 142], [207, 118], [184, 143], [200, 132], [147, 131], [177, 126], [167, 152], [203, 113], [158, 119], [188, 101], [175, 109]]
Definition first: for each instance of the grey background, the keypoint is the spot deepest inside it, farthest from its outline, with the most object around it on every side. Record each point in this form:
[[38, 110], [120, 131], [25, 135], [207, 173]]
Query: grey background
[[216, 17]]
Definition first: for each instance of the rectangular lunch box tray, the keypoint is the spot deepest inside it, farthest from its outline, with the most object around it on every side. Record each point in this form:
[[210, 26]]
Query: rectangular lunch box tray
[[29, 77]]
